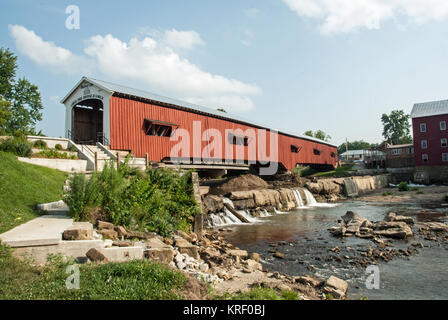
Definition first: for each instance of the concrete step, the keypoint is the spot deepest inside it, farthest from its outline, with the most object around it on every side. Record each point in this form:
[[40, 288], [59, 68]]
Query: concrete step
[[42, 231]]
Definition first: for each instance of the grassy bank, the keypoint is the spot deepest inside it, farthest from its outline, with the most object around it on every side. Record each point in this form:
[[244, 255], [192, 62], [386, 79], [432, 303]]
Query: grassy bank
[[337, 173], [134, 280], [22, 186]]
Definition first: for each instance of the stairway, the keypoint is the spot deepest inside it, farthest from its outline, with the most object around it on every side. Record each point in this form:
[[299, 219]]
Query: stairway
[[103, 157]]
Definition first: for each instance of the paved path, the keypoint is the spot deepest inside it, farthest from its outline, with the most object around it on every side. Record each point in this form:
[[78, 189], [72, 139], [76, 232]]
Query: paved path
[[44, 230]]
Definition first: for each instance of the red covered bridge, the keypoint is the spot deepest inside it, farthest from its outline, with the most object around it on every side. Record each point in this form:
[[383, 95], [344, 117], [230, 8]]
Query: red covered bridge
[[143, 123]]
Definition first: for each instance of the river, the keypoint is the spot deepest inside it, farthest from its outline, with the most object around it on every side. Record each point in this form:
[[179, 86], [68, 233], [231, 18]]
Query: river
[[302, 235]]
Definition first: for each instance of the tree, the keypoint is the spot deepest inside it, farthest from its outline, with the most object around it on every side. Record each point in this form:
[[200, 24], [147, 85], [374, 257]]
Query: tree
[[319, 134], [20, 100], [355, 145], [396, 127]]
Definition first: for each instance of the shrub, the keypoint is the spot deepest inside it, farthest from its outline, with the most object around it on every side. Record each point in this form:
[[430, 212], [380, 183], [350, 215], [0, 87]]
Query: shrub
[[72, 148], [58, 147], [403, 186], [18, 146], [53, 154], [40, 144], [155, 200]]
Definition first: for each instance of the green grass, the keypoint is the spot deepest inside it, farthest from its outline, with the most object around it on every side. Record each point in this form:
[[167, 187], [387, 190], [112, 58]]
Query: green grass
[[134, 280], [341, 171], [22, 186], [260, 293]]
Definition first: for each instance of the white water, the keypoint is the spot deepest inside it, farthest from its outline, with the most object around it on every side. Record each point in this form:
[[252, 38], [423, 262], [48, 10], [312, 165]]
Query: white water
[[298, 197], [227, 218]]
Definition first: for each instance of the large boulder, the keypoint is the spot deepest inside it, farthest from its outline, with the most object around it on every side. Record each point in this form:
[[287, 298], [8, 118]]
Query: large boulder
[[242, 254], [105, 225], [95, 255], [109, 234], [162, 255], [212, 204], [336, 287], [79, 231], [393, 229], [244, 182]]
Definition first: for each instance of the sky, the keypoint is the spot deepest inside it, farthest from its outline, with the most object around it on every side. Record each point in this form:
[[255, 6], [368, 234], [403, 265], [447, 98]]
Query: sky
[[296, 65]]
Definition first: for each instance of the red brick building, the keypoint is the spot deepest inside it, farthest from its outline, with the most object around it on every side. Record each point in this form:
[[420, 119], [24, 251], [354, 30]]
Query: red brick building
[[429, 125]]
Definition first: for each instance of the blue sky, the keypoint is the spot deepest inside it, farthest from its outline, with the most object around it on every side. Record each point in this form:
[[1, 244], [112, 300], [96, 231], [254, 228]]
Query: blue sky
[[293, 64]]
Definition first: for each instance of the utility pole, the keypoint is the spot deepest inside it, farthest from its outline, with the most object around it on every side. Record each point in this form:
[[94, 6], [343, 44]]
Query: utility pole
[[346, 148]]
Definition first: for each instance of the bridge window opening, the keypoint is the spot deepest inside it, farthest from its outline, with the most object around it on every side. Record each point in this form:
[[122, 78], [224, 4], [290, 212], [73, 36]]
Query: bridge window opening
[[158, 128], [295, 149], [238, 140], [333, 155], [316, 152]]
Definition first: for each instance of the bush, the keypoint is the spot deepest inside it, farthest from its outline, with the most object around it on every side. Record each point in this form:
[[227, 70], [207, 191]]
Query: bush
[[403, 186], [40, 144], [155, 200], [53, 154], [72, 148], [19, 146], [58, 147]]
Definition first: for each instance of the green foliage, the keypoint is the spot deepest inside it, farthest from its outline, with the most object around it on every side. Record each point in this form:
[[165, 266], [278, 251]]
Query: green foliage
[[23, 106], [40, 144], [22, 187], [134, 280], [396, 127], [319, 134], [385, 194], [53, 154], [222, 110], [420, 192], [303, 171], [72, 148], [264, 293], [341, 171], [403, 186], [156, 200], [355, 145], [58, 147], [17, 145]]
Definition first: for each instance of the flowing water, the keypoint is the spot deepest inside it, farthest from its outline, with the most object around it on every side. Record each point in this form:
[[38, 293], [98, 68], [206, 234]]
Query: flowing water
[[306, 242]]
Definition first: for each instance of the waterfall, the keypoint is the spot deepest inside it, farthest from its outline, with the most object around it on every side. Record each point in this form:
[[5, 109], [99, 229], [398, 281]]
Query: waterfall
[[298, 197], [310, 201], [227, 218]]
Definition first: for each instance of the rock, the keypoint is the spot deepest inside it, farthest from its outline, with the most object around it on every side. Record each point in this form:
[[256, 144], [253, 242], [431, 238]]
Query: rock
[[181, 265], [179, 241], [79, 231], [121, 231], [122, 243], [105, 225], [390, 216], [399, 230], [336, 287], [212, 204], [242, 254], [95, 255], [203, 267], [253, 265], [351, 216], [189, 249], [393, 217], [313, 282], [279, 255], [283, 287], [338, 231], [183, 235], [140, 235], [163, 255], [254, 256], [437, 226], [168, 241], [194, 237], [109, 233], [244, 182]]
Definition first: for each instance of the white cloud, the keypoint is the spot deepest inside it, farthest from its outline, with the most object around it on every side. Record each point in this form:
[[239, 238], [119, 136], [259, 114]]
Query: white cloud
[[46, 53], [182, 39], [339, 16], [149, 61], [248, 36]]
